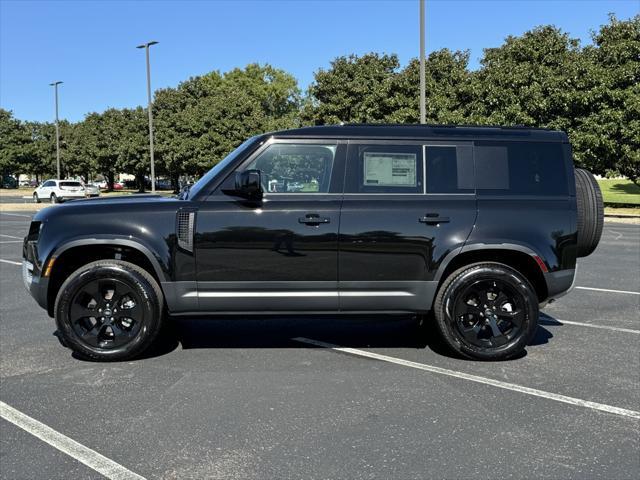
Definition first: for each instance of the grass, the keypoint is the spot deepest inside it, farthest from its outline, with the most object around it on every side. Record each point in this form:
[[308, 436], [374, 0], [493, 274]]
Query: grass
[[619, 191]]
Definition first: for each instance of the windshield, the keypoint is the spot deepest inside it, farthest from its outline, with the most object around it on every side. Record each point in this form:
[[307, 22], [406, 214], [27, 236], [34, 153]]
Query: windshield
[[211, 174]]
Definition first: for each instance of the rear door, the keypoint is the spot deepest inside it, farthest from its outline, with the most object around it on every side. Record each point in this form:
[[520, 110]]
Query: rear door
[[406, 206]]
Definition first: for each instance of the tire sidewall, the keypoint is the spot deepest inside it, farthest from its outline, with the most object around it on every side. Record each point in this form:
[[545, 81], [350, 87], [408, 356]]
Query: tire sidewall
[[486, 272], [150, 307]]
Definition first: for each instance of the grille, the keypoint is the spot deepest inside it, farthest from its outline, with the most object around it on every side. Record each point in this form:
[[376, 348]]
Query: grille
[[185, 229]]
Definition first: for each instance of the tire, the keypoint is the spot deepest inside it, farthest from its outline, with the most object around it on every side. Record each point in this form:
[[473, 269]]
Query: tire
[[53, 198], [472, 334], [36, 199], [119, 335], [590, 212]]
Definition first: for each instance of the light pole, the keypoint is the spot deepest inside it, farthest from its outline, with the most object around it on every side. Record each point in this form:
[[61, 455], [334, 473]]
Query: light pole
[[153, 165], [55, 88], [423, 107]]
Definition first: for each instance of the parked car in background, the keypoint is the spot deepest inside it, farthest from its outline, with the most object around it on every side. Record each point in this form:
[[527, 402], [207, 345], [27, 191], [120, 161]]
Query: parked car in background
[[117, 186], [9, 182], [91, 190], [57, 191]]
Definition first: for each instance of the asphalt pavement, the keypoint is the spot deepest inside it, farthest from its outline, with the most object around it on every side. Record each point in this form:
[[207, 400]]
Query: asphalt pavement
[[239, 398]]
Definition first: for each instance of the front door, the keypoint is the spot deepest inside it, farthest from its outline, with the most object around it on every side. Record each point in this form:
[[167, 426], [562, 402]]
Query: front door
[[278, 253], [406, 206]]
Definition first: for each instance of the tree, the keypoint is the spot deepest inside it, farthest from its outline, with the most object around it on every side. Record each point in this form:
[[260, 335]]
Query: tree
[[206, 117], [355, 89], [14, 145], [607, 135], [447, 89]]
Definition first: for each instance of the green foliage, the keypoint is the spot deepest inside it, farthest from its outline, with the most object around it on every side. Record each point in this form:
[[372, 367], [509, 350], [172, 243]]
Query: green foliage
[[14, 144], [543, 78]]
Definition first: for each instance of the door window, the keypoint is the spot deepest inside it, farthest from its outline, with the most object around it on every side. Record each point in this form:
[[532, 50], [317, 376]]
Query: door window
[[449, 169], [295, 168], [384, 169]]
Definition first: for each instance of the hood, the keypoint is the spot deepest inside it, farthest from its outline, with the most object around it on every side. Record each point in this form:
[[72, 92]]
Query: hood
[[120, 204]]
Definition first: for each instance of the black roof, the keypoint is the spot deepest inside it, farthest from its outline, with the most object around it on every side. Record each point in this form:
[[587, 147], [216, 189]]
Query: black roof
[[420, 132]]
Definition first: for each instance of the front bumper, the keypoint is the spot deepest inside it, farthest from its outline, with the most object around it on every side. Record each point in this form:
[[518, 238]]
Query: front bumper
[[32, 278]]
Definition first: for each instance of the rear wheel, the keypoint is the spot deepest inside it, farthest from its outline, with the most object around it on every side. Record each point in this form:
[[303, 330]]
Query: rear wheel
[[53, 198], [109, 310], [486, 311]]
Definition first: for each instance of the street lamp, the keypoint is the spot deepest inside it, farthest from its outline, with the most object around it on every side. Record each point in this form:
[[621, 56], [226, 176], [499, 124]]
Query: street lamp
[[423, 107], [55, 87], [153, 165]]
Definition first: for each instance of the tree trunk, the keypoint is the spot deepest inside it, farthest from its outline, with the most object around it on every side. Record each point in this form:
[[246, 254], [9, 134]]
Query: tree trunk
[[175, 182], [110, 176], [140, 181]]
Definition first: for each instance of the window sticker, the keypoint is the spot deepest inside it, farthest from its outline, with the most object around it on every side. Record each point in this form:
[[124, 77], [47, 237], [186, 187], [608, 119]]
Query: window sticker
[[390, 169]]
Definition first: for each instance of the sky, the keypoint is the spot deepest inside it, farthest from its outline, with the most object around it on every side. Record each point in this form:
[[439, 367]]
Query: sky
[[90, 44]]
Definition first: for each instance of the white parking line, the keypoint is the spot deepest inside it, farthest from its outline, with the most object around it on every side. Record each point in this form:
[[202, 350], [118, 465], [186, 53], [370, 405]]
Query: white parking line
[[85, 455], [10, 241], [590, 325], [9, 236], [15, 215], [475, 378], [11, 262], [608, 290]]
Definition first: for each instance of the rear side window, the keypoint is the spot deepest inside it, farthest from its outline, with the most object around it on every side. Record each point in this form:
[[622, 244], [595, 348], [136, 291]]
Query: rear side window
[[449, 169], [520, 168], [49, 183], [384, 169]]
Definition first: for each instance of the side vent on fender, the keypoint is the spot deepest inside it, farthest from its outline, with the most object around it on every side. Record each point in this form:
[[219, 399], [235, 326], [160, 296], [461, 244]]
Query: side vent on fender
[[185, 223]]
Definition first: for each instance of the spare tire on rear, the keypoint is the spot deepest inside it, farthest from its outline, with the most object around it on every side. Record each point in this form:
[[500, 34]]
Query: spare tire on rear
[[590, 212]]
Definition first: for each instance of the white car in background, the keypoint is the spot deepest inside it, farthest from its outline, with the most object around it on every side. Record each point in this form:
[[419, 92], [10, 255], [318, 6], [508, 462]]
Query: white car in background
[[91, 190], [56, 191]]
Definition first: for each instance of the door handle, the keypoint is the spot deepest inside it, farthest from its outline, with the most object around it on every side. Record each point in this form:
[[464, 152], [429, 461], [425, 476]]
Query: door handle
[[313, 219], [433, 219]]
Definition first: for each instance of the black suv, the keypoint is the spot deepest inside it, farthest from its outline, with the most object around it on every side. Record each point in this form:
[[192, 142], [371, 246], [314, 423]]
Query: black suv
[[477, 225]]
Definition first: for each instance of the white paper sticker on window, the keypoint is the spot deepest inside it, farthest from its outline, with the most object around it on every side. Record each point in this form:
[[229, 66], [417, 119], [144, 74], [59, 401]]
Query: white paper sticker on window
[[390, 169]]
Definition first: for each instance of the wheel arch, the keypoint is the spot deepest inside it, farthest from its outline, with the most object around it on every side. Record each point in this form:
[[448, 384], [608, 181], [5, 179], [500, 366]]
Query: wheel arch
[[521, 258], [72, 255]]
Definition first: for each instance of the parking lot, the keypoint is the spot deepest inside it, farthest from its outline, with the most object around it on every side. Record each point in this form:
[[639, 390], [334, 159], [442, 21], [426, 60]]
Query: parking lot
[[330, 397]]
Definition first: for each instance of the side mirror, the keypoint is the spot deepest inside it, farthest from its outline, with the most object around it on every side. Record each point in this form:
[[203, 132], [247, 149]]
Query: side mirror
[[249, 184]]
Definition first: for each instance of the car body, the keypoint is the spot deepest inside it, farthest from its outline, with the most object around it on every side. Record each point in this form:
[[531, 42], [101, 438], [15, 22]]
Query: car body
[[56, 191], [91, 190], [335, 219]]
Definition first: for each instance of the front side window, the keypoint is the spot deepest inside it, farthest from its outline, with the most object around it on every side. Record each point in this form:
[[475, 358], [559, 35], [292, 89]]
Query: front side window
[[49, 183], [384, 169], [295, 168]]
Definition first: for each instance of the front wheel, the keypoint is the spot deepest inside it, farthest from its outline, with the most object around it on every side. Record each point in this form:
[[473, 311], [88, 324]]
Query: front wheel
[[486, 311], [36, 199], [109, 310]]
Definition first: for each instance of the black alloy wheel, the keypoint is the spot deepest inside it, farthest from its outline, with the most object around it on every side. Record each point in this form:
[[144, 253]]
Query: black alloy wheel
[[487, 311], [106, 313], [109, 310]]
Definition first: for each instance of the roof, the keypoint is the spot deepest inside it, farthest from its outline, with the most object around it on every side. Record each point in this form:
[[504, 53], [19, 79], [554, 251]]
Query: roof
[[420, 132]]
